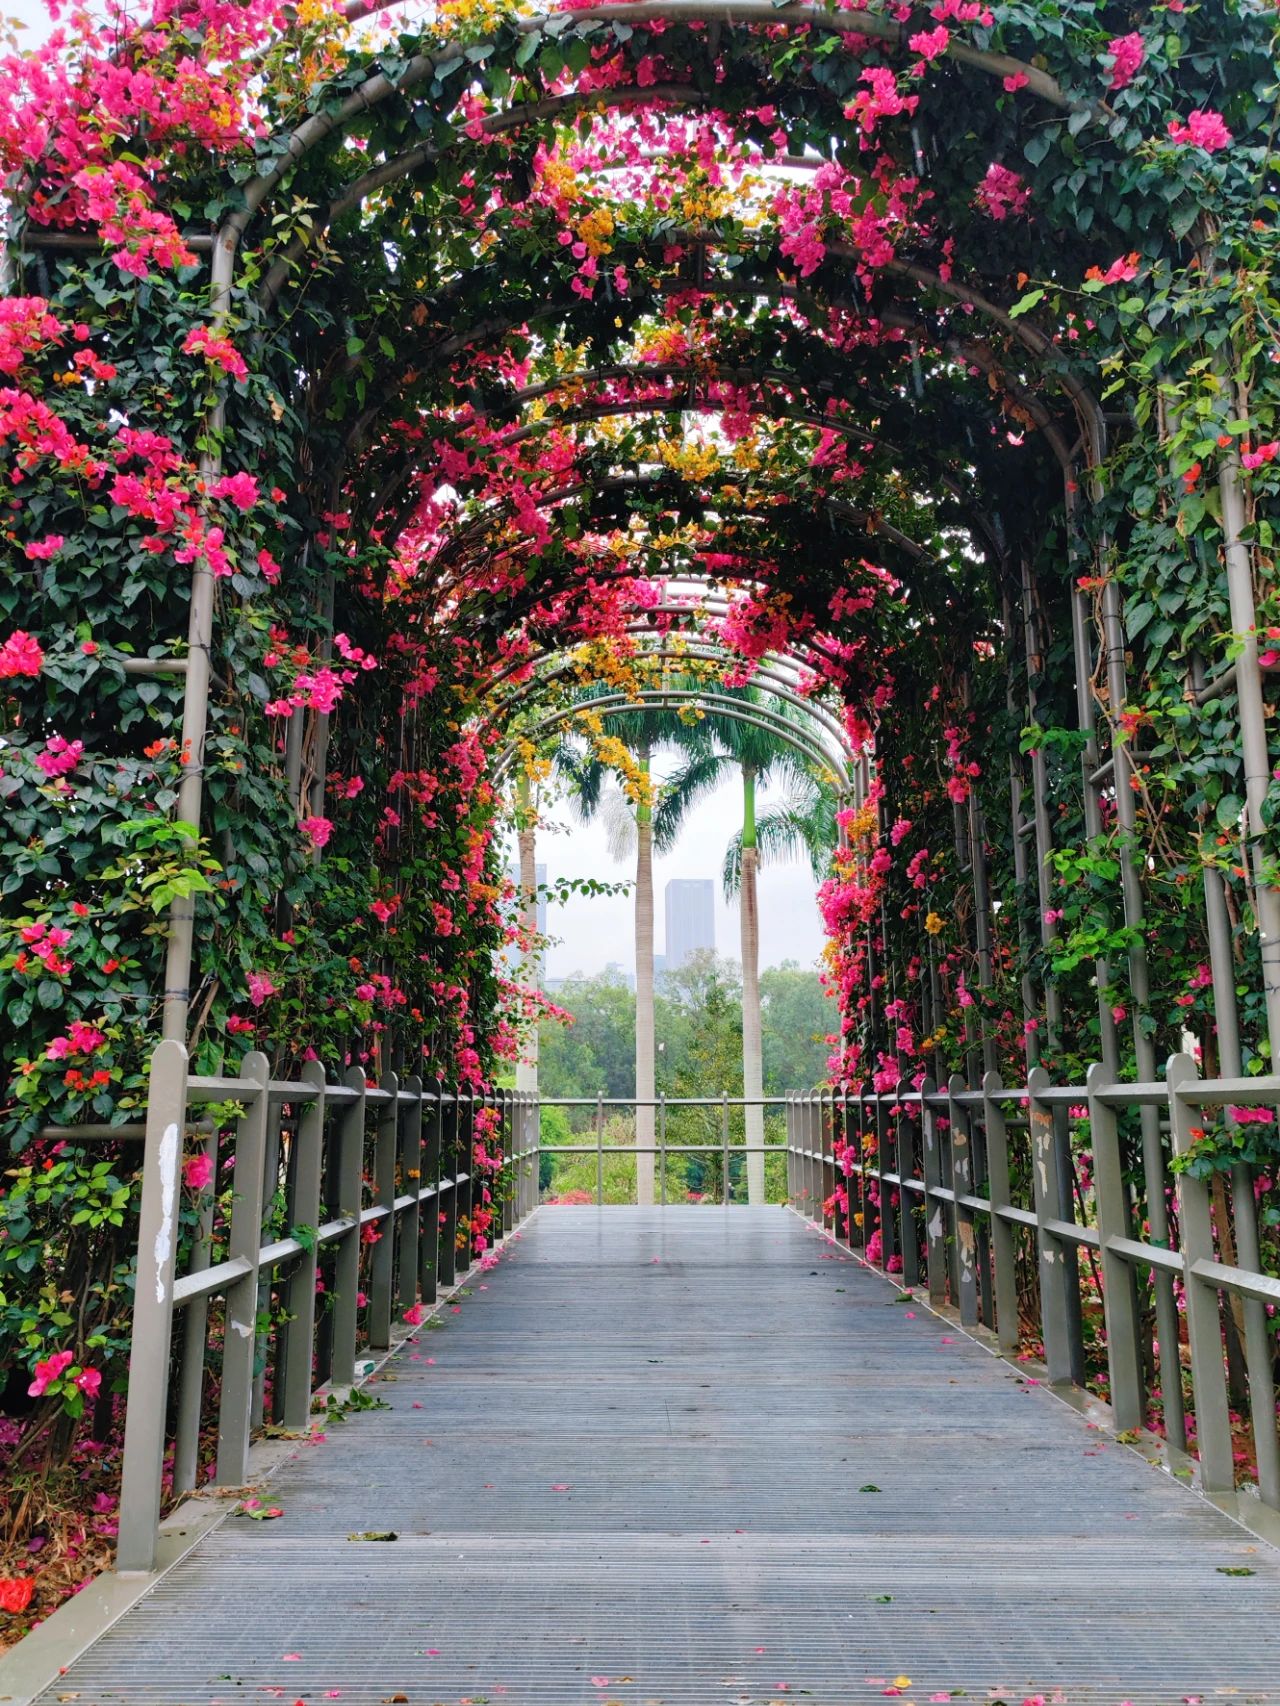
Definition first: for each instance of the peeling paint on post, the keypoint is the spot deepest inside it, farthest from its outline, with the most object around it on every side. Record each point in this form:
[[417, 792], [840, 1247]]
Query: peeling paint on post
[[153, 1311], [167, 1166]]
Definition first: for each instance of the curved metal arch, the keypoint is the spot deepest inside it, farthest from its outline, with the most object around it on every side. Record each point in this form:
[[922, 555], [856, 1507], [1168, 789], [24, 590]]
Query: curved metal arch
[[971, 350], [875, 25], [621, 702], [775, 688], [380, 88], [872, 525]]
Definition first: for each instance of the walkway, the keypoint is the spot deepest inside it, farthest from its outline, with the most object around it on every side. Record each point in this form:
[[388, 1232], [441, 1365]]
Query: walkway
[[691, 1456]]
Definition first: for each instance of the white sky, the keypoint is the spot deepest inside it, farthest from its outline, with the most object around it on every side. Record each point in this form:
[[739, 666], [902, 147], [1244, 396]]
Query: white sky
[[594, 931]]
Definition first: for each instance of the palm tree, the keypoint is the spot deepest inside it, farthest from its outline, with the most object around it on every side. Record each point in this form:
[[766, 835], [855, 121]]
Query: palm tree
[[802, 823], [630, 827]]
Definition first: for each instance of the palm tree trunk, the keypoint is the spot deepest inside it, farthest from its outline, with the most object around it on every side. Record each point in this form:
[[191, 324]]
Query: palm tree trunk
[[752, 1041], [645, 1123], [527, 1065]]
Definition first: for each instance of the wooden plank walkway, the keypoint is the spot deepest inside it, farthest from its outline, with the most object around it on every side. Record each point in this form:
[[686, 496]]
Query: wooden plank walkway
[[688, 1455]]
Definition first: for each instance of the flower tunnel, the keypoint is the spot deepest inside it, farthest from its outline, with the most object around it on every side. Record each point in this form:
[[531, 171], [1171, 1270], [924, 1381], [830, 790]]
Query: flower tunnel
[[388, 388]]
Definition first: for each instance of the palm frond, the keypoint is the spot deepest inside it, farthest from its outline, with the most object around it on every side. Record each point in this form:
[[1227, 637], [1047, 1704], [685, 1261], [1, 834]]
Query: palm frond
[[700, 774]]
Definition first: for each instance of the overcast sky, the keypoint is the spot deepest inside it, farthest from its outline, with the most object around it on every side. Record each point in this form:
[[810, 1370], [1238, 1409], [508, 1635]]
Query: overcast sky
[[595, 931]]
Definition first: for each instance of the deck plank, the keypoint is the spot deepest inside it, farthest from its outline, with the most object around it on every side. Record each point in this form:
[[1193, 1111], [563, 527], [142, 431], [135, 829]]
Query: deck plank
[[637, 1451]]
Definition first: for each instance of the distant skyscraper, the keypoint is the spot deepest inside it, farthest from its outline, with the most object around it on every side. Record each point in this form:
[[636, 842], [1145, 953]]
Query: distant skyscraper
[[691, 919]]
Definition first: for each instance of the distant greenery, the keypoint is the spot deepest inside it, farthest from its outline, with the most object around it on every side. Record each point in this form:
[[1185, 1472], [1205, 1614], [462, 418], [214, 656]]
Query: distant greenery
[[698, 1017]]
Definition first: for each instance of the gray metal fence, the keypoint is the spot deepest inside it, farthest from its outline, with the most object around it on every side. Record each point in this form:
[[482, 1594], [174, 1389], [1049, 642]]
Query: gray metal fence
[[934, 1178], [724, 1147], [302, 1156]]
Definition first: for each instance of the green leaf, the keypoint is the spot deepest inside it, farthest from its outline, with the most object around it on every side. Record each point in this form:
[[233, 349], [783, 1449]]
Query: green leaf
[[1024, 304]]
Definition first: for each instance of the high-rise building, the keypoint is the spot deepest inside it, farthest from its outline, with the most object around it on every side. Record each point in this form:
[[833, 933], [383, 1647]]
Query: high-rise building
[[691, 919]]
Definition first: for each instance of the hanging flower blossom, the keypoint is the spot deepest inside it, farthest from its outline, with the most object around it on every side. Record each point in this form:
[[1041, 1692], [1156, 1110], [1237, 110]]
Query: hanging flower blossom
[[260, 987], [20, 654], [317, 830], [1127, 54], [1002, 193], [1205, 130], [49, 1370], [197, 1171]]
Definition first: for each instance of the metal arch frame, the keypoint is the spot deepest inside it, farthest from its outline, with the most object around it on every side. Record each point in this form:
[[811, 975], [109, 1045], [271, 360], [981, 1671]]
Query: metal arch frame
[[774, 688], [615, 703]]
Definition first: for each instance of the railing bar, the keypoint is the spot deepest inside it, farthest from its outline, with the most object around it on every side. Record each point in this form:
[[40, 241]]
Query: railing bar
[[209, 1280], [1146, 1255], [1239, 1280]]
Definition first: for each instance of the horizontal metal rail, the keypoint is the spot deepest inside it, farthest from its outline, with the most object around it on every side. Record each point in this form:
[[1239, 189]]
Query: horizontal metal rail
[[921, 1179]]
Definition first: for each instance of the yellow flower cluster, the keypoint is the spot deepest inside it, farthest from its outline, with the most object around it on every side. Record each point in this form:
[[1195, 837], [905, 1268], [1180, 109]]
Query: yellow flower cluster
[[595, 229], [933, 924], [466, 16], [694, 461]]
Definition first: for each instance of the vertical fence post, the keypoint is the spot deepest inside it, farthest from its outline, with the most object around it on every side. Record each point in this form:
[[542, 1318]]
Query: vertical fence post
[[469, 1187], [724, 1147], [510, 1141], [884, 1215], [152, 1310], [429, 1244], [1119, 1282], [961, 1214], [600, 1147], [447, 1242], [297, 1337], [662, 1147], [905, 1146], [195, 1333], [411, 1171], [244, 1245], [787, 1108], [1003, 1246], [1204, 1322], [934, 1224], [382, 1261], [349, 1177], [1055, 1309]]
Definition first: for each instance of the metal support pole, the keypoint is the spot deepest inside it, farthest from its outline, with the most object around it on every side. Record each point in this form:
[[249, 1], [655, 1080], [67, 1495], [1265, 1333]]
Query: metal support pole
[[244, 1247], [1253, 733], [935, 1227], [152, 1310], [1004, 1249], [961, 1214], [195, 1332], [382, 1262], [1055, 1280], [724, 1147], [297, 1338], [600, 1149], [429, 1243], [349, 1175], [1204, 1324], [1119, 1288], [662, 1147]]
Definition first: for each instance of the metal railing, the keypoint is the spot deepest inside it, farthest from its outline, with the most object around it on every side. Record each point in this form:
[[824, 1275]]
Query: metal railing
[[302, 1154], [931, 1174], [661, 1148]]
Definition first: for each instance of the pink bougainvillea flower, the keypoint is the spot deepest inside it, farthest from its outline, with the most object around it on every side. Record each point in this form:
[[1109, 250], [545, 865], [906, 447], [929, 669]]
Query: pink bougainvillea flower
[[1002, 193], [1119, 272], [20, 654], [60, 756], [1249, 458], [416, 1315], [197, 1173], [1127, 54], [260, 987], [317, 830], [89, 1380], [49, 1370], [218, 352], [1203, 129]]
